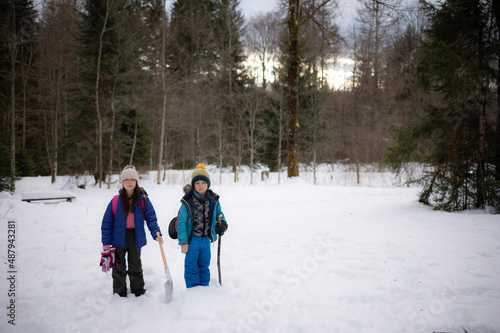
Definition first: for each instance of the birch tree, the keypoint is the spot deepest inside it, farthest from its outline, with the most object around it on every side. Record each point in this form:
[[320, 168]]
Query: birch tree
[[262, 41]]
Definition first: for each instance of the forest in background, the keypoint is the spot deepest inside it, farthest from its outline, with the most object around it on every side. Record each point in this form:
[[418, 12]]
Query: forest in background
[[88, 86]]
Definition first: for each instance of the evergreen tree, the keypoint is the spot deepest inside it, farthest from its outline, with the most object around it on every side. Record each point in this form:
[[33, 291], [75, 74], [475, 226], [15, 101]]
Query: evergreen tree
[[110, 44], [194, 53], [208, 57], [192, 60], [18, 33], [455, 137], [232, 77]]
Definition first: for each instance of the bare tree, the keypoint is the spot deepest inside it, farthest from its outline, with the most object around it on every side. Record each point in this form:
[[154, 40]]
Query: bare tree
[[164, 89], [293, 87], [262, 40], [322, 41], [55, 64], [376, 17], [97, 102], [13, 50], [229, 65], [279, 113], [253, 108]]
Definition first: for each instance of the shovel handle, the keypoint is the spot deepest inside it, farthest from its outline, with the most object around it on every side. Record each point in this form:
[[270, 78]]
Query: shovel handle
[[162, 252]]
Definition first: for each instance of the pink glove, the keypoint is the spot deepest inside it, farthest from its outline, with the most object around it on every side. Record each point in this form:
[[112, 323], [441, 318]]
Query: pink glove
[[108, 259], [105, 261]]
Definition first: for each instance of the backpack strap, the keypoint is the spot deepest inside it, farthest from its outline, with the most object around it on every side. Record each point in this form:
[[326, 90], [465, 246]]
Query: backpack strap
[[114, 204]]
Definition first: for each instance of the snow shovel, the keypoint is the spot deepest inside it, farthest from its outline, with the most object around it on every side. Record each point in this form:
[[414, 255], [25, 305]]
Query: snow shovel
[[218, 250], [169, 286]]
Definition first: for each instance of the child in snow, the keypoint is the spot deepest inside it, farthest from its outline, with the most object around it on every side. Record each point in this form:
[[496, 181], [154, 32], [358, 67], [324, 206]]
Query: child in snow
[[197, 227], [123, 233]]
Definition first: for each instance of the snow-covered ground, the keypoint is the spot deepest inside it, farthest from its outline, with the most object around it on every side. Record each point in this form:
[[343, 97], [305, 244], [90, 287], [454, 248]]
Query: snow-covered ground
[[335, 257]]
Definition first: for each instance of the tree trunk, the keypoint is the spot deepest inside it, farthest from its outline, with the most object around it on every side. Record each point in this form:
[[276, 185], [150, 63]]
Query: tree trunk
[[498, 116], [164, 87], [377, 47], [280, 133], [496, 13], [13, 125], [221, 151], [481, 193], [25, 84], [97, 106], [131, 161], [112, 130], [356, 118], [55, 129], [253, 108], [13, 54], [293, 88], [230, 93]]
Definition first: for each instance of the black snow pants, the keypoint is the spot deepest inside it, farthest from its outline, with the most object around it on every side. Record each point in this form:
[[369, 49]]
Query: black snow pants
[[134, 272]]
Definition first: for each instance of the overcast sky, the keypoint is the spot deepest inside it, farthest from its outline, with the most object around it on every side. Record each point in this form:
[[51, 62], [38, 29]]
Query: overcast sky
[[250, 8]]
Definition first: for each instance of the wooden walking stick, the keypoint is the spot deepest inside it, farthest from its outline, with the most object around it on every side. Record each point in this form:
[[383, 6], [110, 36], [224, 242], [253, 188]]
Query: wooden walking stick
[[218, 250]]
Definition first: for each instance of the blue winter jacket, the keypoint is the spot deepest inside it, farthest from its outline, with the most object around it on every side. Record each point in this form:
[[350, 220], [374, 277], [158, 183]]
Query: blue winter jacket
[[113, 229], [186, 213]]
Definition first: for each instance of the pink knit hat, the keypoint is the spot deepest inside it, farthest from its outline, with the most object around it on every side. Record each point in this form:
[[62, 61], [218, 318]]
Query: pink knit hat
[[129, 172]]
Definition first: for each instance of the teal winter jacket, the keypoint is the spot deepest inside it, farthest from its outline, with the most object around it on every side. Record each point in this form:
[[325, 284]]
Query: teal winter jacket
[[186, 213]]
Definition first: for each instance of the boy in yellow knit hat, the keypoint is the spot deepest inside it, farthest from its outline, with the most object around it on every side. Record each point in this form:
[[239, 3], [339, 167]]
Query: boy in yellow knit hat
[[197, 227]]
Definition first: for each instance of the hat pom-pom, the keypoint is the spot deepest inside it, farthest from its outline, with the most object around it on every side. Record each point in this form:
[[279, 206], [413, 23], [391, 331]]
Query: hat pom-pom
[[201, 166]]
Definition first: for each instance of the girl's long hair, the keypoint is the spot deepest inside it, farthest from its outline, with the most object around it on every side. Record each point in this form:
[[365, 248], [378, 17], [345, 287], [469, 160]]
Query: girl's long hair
[[127, 207]]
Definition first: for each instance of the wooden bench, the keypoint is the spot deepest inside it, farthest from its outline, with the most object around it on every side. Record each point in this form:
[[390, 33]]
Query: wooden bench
[[68, 199], [47, 196]]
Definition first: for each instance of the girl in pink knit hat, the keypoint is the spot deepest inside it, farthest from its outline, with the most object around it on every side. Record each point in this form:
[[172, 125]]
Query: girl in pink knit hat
[[123, 234]]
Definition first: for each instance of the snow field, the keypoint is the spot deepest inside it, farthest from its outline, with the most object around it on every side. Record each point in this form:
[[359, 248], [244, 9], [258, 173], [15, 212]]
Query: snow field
[[296, 258]]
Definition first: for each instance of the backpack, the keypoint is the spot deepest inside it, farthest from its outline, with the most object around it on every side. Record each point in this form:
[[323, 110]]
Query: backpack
[[172, 227]]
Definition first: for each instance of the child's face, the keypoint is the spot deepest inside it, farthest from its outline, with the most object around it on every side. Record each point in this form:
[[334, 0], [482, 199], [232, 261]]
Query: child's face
[[129, 184], [201, 187]]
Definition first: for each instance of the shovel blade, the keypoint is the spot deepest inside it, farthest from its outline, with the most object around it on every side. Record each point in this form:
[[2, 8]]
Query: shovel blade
[[169, 286]]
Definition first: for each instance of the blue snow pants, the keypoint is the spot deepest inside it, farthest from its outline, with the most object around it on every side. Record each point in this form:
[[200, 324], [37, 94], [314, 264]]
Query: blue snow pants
[[197, 260]]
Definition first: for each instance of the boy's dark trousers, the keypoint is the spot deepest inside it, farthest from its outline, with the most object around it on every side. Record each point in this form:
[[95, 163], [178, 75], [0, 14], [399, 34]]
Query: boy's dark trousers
[[134, 268]]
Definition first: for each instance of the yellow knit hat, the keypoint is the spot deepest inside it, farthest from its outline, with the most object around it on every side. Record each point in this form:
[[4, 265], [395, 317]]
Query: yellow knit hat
[[200, 173]]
